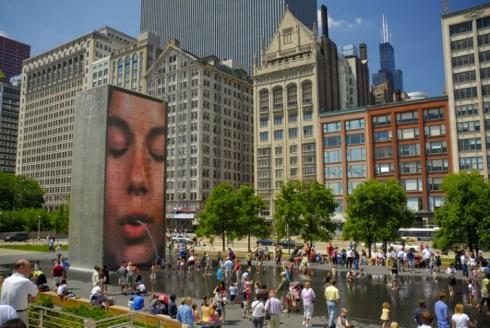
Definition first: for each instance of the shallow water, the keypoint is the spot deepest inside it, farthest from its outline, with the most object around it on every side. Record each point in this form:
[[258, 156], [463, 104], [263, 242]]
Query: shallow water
[[363, 297]]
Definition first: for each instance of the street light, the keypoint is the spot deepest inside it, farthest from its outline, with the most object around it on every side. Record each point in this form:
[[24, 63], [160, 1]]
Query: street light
[[38, 227]]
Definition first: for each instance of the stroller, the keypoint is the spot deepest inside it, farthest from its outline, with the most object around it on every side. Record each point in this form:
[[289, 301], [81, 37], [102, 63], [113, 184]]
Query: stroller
[[292, 300]]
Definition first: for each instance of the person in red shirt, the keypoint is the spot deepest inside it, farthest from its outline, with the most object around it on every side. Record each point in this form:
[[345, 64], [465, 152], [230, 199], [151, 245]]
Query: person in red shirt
[[237, 268], [57, 271]]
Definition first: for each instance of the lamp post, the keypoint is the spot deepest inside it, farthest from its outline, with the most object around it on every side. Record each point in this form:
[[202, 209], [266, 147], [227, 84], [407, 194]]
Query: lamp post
[[38, 227]]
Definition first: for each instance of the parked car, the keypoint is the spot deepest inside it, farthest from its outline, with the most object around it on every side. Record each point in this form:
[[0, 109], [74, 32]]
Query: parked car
[[285, 243], [18, 236], [181, 238], [265, 242]]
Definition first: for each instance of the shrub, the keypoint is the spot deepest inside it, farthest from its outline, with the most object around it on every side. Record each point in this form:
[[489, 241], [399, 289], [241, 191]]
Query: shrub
[[88, 312]]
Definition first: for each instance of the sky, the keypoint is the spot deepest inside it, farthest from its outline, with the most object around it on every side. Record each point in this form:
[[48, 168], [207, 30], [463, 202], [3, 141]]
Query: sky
[[414, 26]]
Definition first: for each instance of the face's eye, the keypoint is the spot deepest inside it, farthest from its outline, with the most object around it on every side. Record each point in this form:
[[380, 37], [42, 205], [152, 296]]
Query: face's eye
[[117, 141], [156, 144]]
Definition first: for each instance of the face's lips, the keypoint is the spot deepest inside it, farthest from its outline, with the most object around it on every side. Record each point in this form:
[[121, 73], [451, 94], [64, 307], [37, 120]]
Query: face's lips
[[132, 227]]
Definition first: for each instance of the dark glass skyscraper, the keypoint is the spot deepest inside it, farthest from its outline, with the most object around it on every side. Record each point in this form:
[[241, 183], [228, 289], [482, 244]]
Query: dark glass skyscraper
[[388, 74], [228, 29], [12, 53]]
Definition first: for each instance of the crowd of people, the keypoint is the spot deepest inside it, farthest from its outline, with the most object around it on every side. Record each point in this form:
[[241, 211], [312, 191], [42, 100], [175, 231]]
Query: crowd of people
[[239, 285]]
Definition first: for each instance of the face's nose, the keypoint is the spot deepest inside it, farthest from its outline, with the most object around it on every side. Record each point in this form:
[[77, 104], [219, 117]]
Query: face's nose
[[138, 180]]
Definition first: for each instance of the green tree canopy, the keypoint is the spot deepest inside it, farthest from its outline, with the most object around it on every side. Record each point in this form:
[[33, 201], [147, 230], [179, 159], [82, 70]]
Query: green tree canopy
[[220, 214], [376, 211], [17, 192], [59, 219], [465, 215], [288, 209], [304, 209], [318, 207], [249, 207]]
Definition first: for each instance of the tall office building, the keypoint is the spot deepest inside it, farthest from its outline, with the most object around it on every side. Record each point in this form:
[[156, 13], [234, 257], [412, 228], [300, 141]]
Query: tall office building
[[50, 82], [9, 114], [466, 47], [227, 29], [353, 76], [209, 136], [294, 80], [12, 53], [388, 78]]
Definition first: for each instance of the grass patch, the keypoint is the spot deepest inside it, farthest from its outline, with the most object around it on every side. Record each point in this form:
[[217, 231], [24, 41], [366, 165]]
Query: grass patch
[[32, 248]]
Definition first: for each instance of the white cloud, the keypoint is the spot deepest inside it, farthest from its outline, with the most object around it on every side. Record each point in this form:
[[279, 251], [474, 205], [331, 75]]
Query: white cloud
[[3, 33], [339, 23]]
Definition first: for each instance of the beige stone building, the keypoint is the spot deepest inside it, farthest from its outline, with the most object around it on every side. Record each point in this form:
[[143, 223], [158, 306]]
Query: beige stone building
[[466, 47], [130, 64], [50, 82], [209, 136], [294, 80]]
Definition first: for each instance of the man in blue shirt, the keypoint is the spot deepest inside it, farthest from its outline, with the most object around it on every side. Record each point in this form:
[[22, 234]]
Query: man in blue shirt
[[440, 308], [138, 303], [184, 314]]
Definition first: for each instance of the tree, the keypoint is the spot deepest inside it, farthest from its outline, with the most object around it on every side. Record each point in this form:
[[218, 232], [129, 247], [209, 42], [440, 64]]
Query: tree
[[288, 209], [17, 192], [376, 211], [220, 214], [318, 206], [465, 215], [60, 218], [249, 208]]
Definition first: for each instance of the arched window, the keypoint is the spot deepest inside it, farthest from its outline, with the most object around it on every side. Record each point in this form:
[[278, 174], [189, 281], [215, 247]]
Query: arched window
[[277, 97], [264, 100], [307, 92], [292, 91]]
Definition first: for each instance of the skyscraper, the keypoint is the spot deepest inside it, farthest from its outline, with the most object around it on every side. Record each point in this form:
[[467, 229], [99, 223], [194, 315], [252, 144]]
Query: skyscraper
[[295, 80], [12, 53], [227, 29], [50, 82], [388, 77], [9, 114], [466, 48]]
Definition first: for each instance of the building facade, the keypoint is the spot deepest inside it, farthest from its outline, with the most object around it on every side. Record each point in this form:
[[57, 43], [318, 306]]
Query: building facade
[[407, 141], [12, 53], [354, 77], [466, 48], [50, 82], [209, 137], [292, 85], [130, 64], [227, 29], [9, 114]]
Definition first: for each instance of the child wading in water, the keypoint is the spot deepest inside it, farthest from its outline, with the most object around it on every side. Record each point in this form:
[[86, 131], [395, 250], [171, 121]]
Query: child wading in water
[[385, 314]]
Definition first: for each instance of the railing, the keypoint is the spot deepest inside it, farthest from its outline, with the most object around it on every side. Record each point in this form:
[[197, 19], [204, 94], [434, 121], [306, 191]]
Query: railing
[[43, 317]]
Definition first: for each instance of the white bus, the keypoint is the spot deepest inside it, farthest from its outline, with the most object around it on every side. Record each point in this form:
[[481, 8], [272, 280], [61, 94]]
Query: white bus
[[422, 234]]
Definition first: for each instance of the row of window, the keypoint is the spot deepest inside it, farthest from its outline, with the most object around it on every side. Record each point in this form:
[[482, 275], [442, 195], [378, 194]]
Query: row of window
[[413, 167], [467, 26], [292, 118], [291, 96], [292, 133], [353, 154]]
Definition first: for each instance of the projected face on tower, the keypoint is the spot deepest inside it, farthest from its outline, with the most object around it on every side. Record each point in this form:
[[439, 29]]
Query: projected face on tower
[[135, 166]]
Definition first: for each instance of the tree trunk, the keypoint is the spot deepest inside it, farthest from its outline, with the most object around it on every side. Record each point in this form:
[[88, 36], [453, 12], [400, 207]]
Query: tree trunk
[[369, 248], [223, 237], [249, 242]]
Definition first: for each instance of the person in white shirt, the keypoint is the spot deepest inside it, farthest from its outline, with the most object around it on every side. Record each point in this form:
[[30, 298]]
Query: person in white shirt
[[7, 313], [96, 276], [18, 291], [426, 254], [274, 307], [461, 319], [258, 313]]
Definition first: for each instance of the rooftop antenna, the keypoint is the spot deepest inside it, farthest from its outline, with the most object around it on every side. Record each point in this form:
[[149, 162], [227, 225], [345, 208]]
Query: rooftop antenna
[[445, 6]]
